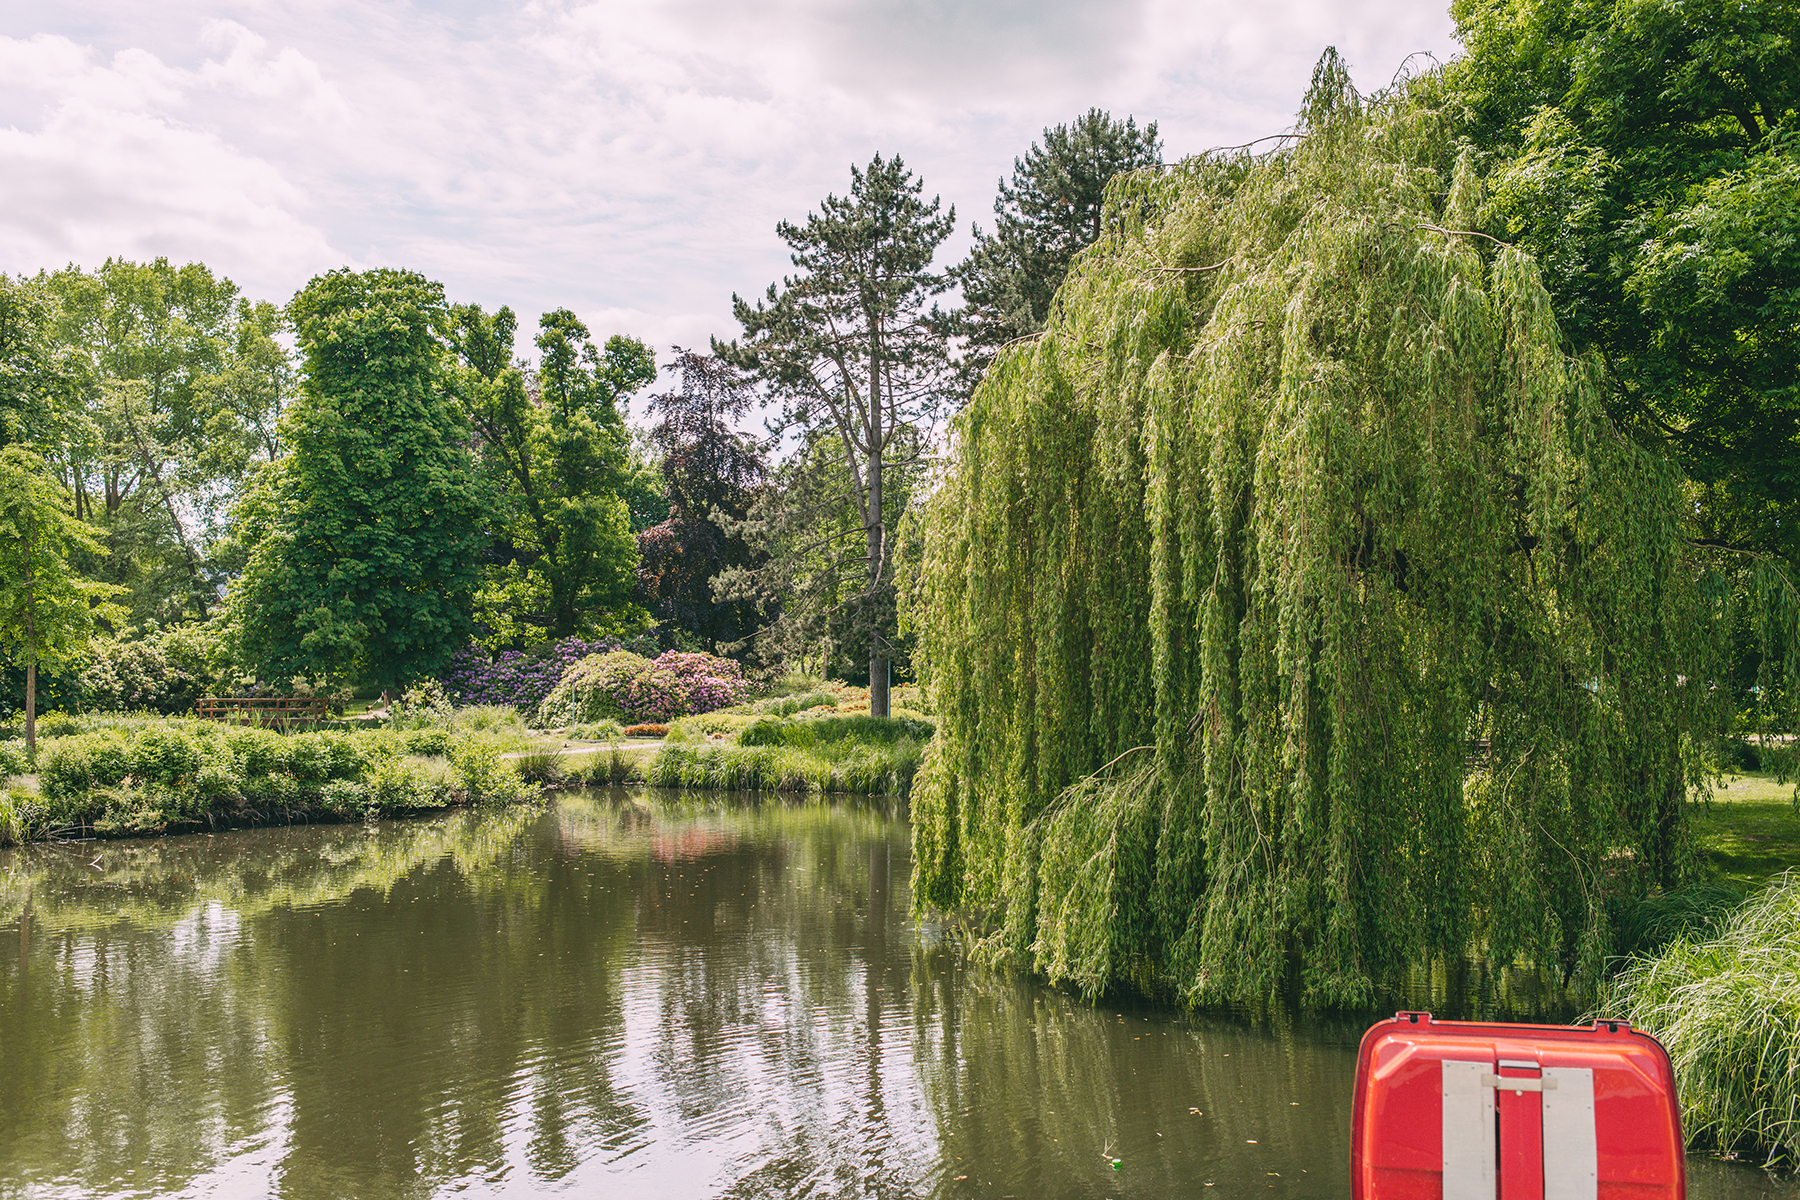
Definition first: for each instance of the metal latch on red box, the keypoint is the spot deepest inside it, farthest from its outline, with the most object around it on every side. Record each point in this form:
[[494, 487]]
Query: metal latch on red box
[[1463, 1110]]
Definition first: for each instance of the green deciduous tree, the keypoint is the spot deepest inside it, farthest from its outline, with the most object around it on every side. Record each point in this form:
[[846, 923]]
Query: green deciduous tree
[[849, 347], [555, 450], [174, 382], [712, 472], [1292, 602], [1046, 215], [48, 612], [363, 537], [1646, 152]]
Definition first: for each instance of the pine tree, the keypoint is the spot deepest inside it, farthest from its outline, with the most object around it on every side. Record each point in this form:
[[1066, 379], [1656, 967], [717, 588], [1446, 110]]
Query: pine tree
[[848, 346], [1044, 217]]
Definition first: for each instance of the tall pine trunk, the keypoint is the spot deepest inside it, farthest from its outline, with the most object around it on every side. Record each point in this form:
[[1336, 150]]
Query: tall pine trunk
[[872, 525]]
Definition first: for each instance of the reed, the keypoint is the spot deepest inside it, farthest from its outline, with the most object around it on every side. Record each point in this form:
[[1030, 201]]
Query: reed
[[1728, 1010]]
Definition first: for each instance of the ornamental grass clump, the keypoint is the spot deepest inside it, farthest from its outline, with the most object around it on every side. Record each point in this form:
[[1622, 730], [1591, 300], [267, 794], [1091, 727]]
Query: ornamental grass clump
[[1291, 608], [1728, 1011]]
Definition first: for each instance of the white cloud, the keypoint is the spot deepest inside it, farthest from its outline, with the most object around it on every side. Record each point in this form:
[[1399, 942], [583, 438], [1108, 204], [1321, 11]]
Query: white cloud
[[627, 160]]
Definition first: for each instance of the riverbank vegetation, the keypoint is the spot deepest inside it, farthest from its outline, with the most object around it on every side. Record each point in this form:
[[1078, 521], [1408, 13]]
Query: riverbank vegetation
[[1293, 598], [1724, 998]]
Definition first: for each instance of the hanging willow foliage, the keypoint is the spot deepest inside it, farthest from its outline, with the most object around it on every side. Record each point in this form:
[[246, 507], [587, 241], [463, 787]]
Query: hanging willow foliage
[[1291, 605]]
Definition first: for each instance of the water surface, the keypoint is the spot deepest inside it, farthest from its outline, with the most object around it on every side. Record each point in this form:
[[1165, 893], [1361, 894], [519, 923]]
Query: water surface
[[621, 995]]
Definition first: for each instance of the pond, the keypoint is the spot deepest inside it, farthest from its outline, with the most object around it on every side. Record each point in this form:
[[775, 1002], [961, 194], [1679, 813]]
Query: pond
[[622, 994]]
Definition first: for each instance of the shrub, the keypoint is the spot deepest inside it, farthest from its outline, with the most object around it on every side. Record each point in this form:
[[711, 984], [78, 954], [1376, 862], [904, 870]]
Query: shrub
[[599, 731], [588, 691], [164, 670], [12, 760], [627, 686], [483, 777], [521, 679], [825, 730], [646, 730], [167, 757]]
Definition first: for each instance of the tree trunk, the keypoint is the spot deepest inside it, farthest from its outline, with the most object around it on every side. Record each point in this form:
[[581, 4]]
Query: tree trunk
[[878, 679], [31, 711]]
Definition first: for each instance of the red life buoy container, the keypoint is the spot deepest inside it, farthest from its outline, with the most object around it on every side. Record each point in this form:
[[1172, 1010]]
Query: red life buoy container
[[1465, 1110]]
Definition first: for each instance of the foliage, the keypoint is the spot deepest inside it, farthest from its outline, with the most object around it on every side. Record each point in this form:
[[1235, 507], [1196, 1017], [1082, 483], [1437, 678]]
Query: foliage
[[1645, 153], [711, 474], [1043, 218], [31, 395], [362, 538], [164, 670], [1727, 1008], [172, 383], [48, 612], [646, 729], [821, 731], [154, 776], [850, 351], [1291, 599], [849, 764], [519, 678], [554, 452], [810, 577], [625, 686]]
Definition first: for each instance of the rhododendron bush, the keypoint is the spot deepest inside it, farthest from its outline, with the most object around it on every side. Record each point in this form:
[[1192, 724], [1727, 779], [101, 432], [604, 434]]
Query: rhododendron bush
[[620, 685]]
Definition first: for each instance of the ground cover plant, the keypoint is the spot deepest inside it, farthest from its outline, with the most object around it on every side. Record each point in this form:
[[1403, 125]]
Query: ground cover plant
[[138, 776]]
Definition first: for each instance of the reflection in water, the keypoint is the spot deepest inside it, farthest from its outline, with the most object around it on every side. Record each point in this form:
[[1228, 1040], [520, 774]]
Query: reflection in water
[[645, 997]]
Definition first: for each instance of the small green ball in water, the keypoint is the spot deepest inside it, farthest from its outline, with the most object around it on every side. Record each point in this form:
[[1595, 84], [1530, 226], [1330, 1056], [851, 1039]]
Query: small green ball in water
[[1116, 1164]]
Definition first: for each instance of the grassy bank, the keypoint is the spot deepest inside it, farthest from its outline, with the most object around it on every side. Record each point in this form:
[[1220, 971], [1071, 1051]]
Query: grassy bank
[[1728, 1010], [855, 754], [1716, 976], [132, 776]]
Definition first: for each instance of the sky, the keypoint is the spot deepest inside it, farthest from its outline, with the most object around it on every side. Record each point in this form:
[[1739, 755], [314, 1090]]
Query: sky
[[626, 160]]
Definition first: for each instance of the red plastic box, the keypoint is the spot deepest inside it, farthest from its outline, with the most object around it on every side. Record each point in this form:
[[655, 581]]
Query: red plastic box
[[1461, 1110]]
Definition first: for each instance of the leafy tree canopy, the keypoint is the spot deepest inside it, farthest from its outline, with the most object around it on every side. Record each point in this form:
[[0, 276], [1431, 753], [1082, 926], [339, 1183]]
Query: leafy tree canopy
[[555, 453], [850, 349], [48, 611], [1645, 153], [711, 472], [1292, 599], [363, 537]]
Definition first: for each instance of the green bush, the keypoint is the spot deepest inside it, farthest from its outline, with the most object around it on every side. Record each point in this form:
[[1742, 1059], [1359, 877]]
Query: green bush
[[13, 760], [1728, 1010], [163, 756], [820, 731], [137, 776], [586, 691], [483, 777]]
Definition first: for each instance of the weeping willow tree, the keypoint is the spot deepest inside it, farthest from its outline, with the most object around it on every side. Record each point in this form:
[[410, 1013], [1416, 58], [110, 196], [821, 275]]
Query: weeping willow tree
[[1291, 608]]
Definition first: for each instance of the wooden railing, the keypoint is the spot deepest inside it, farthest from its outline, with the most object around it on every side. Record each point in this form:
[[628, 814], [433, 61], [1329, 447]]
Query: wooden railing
[[263, 710]]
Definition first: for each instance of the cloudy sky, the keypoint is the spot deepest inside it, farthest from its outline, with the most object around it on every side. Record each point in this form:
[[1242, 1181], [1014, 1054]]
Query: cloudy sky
[[626, 159]]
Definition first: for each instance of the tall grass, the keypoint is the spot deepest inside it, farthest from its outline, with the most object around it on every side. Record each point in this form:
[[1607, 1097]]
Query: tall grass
[[1728, 1010], [843, 765]]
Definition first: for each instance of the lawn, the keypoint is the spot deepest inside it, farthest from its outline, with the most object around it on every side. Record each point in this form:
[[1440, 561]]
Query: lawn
[[1750, 830]]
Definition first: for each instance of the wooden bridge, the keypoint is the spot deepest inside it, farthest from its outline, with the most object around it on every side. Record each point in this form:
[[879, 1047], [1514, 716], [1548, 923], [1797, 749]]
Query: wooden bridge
[[264, 710]]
